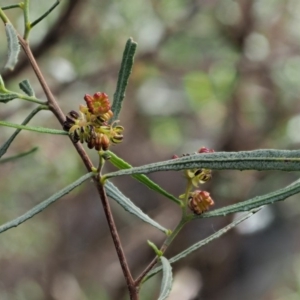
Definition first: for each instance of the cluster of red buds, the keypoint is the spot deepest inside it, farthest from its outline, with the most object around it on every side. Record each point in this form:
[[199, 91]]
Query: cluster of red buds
[[91, 124], [199, 201]]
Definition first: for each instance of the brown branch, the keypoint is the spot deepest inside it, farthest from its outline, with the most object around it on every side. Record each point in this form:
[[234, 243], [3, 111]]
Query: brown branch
[[111, 223], [54, 107]]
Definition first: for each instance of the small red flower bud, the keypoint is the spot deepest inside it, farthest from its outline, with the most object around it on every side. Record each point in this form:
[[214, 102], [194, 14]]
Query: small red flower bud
[[205, 150], [174, 156], [200, 201]]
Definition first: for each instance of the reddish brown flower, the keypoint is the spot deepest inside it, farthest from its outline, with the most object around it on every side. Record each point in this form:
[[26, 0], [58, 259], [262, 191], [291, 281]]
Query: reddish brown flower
[[98, 104], [200, 201]]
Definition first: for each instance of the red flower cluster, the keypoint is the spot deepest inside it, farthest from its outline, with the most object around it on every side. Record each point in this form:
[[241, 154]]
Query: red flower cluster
[[199, 201], [91, 125]]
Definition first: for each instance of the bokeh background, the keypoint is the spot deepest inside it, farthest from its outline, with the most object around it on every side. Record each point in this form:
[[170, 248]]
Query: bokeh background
[[217, 73]]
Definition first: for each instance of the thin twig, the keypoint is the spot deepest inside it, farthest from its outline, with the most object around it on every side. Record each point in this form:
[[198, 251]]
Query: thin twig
[[54, 107], [117, 242]]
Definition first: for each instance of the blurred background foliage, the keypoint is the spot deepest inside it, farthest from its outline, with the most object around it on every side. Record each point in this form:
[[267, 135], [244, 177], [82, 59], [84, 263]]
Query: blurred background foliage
[[217, 73]]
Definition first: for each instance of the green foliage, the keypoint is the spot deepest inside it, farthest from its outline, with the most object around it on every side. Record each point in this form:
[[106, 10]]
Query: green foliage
[[6, 145], [7, 97], [114, 193], [26, 87], [17, 156], [96, 126], [40, 207], [269, 159], [166, 284], [32, 128], [125, 71]]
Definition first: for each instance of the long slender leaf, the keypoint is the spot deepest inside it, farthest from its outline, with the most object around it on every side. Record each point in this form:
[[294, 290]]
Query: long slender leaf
[[6, 145], [258, 201], [268, 159], [22, 154], [124, 73], [202, 243], [166, 284], [36, 129], [114, 193], [121, 164], [13, 46], [40, 207], [45, 14], [11, 6]]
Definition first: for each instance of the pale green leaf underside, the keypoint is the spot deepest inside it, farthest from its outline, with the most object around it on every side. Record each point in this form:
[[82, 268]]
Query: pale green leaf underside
[[40, 207], [114, 193], [166, 284], [260, 160], [13, 46]]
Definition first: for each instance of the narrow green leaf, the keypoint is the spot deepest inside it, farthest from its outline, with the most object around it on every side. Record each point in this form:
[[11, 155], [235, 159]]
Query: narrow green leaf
[[6, 145], [13, 46], [121, 164], [4, 160], [202, 243], [40, 207], [11, 6], [166, 284], [268, 159], [114, 193], [6, 97], [26, 87], [45, 14], [36, 129], [258, 201], [124, 73]]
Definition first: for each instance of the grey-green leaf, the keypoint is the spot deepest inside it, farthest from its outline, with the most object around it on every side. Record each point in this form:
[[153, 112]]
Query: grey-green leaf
[[40, 207], [6, 145], [26, 87], [124, 73], [13, 46], [19, 155], [167, 279], [33, 128], [114, 193], [267, 159], [257, 201], [202, 243]]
